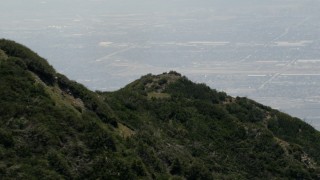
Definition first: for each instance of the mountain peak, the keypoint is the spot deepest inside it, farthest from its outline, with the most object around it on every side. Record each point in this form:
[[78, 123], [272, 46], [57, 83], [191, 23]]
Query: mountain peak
[[159, 82], [158, 127], [154, 83]]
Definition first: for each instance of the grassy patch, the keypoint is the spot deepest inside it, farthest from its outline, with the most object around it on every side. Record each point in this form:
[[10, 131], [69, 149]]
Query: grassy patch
[[125, 132], [3, 55], [158, 95]]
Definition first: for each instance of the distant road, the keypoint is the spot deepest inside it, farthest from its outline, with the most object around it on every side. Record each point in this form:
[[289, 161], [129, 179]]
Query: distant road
[[282, 70], [115, 53], [287, 66]]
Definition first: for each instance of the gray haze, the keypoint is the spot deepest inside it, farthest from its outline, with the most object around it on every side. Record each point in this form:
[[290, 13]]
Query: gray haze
[[265, 50]]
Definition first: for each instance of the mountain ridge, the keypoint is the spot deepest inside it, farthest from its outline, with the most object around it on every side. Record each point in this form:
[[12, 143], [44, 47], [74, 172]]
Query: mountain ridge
[[157, 127]]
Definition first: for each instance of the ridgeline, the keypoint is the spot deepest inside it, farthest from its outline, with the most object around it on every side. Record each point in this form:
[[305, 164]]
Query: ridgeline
[[158, 127]]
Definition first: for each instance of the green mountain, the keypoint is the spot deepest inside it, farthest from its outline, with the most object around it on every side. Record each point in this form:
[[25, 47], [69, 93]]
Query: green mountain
[[158, 127]]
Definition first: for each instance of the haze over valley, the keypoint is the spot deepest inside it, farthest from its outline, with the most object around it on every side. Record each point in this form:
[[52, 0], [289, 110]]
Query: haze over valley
[[267, 51]]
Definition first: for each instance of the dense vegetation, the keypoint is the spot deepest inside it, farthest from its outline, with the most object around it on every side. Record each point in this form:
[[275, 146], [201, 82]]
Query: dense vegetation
[[158, 127]]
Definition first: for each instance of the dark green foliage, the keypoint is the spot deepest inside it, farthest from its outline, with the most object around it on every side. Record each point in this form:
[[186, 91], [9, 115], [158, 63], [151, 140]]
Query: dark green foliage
[[90, 99], [36, 127], [138, 167], [98, 138], [59, 164], [6, 138], [204, 134], [186, 88], [247, 110], [34, 62], [295, 131], [198, 171], [177, 167], [187, 131]]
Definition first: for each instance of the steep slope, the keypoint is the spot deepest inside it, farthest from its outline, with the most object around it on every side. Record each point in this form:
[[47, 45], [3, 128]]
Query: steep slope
[[51, 127], [158, 127]]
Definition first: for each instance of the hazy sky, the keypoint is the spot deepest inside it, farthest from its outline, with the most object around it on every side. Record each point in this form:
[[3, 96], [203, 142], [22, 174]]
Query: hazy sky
[[63, 7]]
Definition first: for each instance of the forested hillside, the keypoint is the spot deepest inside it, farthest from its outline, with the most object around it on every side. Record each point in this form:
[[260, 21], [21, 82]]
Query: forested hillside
[[157, 127]]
